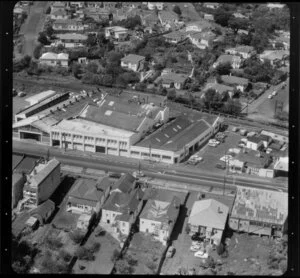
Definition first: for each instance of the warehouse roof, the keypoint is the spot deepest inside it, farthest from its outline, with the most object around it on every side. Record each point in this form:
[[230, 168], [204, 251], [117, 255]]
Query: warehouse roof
[[40, 97], [260, 205], [26, 165], [175, 135]]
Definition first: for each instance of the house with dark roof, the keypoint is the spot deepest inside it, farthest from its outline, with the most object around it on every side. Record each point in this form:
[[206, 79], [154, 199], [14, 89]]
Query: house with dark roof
[[198, 26], [168, 19], [122, 209], [71, 40], [238, 83], [254, 143], [173, 79], [160, 214], [125, 184], [277, 58], [259, 211], [175, 37], [67, 25], [133, 62], [43, 212], [219, 88], [88, 196]]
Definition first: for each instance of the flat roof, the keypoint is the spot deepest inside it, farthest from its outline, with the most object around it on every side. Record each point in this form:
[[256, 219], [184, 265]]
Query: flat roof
[[260, 205], [175, 135], [39, 97]]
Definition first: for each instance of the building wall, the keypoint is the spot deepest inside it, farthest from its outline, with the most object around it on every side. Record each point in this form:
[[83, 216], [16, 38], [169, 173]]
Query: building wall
[[124, 227], [48, 185], [149, 226], [17, 191], [110, 216]]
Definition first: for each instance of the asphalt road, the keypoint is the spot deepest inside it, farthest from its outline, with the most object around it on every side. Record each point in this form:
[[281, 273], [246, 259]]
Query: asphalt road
[[167, 172]]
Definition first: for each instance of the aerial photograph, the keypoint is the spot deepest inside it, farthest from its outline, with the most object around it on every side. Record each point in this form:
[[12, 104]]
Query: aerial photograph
[[150, 138]]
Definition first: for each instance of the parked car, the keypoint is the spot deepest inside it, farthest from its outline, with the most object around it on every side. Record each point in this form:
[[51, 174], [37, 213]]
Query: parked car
[[201, 254], [21, 94], [195, 248], [197, 237], [274, 93], [170, 251], [114, 175], [270, 96], [220, 166]]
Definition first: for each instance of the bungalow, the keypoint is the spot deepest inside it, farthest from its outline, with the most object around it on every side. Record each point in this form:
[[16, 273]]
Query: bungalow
[[133, 62], [169, 20], [209, 218], [87, 196], [211, 5], [208, 17], [173, 79], [67, 25], [259, 211], [175, 37], [198, 26], [116, 32], [71, 40], [277, 58], [235, 61], [60, 14], [125, 184], [160, 214], [237, 82], [202, 40], [244, 51], [158, 5], [220, 88], [121, 210], [53, 59], [254, 143]]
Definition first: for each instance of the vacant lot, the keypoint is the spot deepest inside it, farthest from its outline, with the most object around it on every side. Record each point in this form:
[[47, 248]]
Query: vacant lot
[[102, 264]]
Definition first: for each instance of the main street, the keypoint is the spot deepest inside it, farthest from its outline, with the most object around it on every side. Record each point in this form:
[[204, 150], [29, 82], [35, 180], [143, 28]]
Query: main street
[[160, 171]]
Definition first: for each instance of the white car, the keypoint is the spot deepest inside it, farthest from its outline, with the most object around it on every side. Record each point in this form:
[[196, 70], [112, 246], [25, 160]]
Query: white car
[[270, 96], [195, 247], [274, 93], [201, 254], [214, 141], [21, 94]]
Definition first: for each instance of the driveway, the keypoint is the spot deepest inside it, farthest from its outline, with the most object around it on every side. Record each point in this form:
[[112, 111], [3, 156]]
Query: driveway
[[33, 25]]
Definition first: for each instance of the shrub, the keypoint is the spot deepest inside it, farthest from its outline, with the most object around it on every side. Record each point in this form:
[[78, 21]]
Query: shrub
[[115, 255], [95, 247], [66, 256], [76, 236], [54, 243], [131, 261], [151, 265], [220, 249]]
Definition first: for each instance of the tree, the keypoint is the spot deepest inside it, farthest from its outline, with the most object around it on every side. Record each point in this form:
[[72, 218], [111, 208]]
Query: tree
[[238, 23], [177, 10], [220, 249], [76, 69], [48, 10], [131, 261], [92, 67], [84, 254], [66, 256], [224, 68], [54, 243], [232, 107], [91, 40], [122, 267], [37, 51], [222, 17], [49, 31], [43, 38]]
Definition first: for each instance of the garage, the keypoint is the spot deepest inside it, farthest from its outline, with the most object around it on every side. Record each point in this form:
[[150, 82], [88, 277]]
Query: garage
[[30, 135], [100, 149]]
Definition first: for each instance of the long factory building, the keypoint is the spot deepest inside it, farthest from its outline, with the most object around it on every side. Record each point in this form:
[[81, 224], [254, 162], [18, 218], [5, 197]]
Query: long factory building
[[112, 125]]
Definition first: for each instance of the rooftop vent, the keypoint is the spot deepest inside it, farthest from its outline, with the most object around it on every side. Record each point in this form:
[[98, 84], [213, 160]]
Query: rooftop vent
[[219, 210]]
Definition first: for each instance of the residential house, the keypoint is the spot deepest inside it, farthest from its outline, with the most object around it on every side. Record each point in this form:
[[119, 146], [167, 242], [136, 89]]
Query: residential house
[[209, 17], [60, 14], [281, 42], [234, 61], [277, 58], [175, 37], [213, 6], [116, 32], [244, 51], [149, 19], [266, 139], [238, 83], [169, 20], [97, 13], [77, 4], [125, 184], [198, 26], [133, 62], [71, 40], [43, 212], [239, 15], [173, 79], [53, 59], [87, 196], [274, 136], [58, 6], [67, 25], [122, 209], [160, 214], [275, 5], [41, 183], [158, 5], [281, 167], [242, 31], [209, 218], [91, 4], [259, 211], [202, 39], [254, 143], [220, 88]]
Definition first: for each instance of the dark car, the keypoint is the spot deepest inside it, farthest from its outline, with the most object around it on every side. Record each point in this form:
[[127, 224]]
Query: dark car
[[114, 175]]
